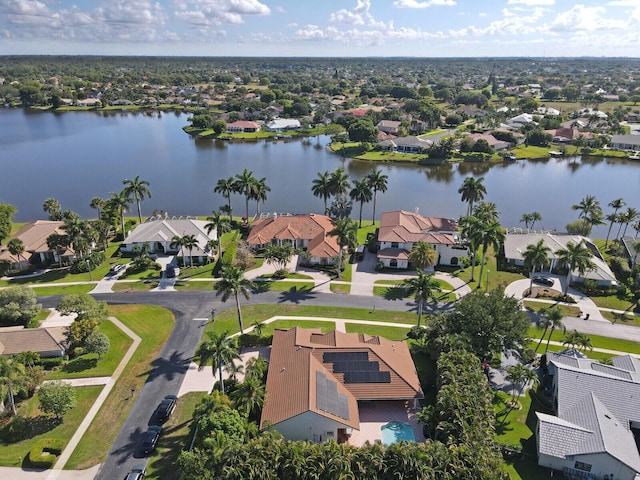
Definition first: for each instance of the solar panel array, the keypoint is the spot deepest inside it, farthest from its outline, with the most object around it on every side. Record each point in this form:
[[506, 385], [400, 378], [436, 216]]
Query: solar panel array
[[328, 399], [333, 357], [367, 377], [356, 367], [342, 367]]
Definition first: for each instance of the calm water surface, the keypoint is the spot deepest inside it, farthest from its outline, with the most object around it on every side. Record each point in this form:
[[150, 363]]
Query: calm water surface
[[76, 156]]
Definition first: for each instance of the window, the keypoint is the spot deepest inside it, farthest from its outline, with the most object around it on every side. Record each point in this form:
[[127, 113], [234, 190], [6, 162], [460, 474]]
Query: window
[[454, 260], [583, 466], [393, 263], [394, 244]]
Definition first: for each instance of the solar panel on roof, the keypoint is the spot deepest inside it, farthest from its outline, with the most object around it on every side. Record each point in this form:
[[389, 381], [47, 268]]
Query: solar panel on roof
[[341, 367], [332, 357], [328, 399], [367, 377]]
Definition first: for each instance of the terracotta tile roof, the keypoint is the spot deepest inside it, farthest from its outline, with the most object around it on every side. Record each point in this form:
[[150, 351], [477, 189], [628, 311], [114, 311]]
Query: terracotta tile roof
[[310, 227], [407, 227], [34, 235], [17, 340], [297, 355], [394, 253]]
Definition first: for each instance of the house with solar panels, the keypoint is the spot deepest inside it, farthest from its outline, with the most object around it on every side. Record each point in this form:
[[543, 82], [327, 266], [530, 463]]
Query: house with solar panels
[[319, 385], [595, 432]]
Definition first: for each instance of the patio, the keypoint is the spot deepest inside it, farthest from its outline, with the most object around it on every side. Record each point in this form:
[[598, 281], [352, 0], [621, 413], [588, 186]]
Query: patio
[[375, 414]]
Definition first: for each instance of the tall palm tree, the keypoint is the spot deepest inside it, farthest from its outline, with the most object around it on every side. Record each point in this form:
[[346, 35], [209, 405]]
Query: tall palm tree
[[234, 284], [248, 398], [491, 234], [218, 350], [423, 255], [630, 215], [588, 206], [217, 222], [259, 192], [536, 255], [243, 184], [12, 378], [52, 207], [321, 187], [177, 242], [59, 244], [339, 182], [519, 376], [16, 247], [575, 257], [97, 203], [554, 317], [190, 242], [577, 340], [423, 287], [120, 203], [472, 190], [137, 190], [526, 218], [616, 204], [378, 183], [346, 234], [225, 187], [486, 211], [545, 323], [611, 218], [361, 192], [535, 217], [470, 228]]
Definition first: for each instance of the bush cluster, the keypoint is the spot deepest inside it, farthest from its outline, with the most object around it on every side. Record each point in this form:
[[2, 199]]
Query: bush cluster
[[44, 452], [94, 259]]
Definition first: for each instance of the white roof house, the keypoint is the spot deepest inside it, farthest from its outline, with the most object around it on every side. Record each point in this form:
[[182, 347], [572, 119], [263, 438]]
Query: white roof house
[[597, 411], [282, 124], [515, 244], [520, 120], [158, 234], [548, 111]]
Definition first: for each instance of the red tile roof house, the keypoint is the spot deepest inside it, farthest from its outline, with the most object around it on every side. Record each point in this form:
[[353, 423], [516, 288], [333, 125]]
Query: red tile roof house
[[242, 126], [318, 383], [309, 232], [400, 229]]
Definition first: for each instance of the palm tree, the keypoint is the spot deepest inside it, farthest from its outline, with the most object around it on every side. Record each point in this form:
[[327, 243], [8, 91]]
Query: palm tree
[[243, 184], [248, 398], [346, 234], [234, 283], [486, 211], [526, 218], [472, 190], [137, 190], [575, 257], [536, 255], [12, 378], [545, 323], [16, 247], [423, 255], [225, 187], [378, 183], [339, 182], [470, 226], [321, 187], [535, 217], [190, 242], [588, 206], [361, 192], [616, 204], [259, 193], [554, 317], [52, 207], [217, 349], [577, 340], [120, 203], [519, 376], [490, 234], [97, 203], [217, 222], [630, 215], [59, 244], [611, 218], [423, 287]]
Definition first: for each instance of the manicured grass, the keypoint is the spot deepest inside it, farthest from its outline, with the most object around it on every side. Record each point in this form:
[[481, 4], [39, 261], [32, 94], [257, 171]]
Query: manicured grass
[[385, 156], [153, 324], [17, 443], [340, 288], [42, 315], [150, 274], [529, 151], [204, 271], [597, 341], [176, 436], [567, 310], [143, 285], [392, 333], [557, 348], [63, 289], [291, 276], [347, 273], [497, 278], [199, 286], [616, 303], [625, 319], [441, 283], [286, 324], [365, 230], [88, 365]]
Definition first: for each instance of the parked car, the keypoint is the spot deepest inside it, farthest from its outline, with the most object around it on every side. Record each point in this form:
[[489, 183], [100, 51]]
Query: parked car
[[543, 281], [173, 271], [166, 408], [137, 473], [150, 438], [118, 267]]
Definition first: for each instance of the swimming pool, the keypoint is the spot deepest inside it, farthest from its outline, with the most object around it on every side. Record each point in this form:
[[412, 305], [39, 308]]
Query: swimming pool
[[394, 432]]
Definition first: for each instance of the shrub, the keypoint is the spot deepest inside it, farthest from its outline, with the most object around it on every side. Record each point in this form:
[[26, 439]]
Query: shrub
[[94, 260], [379, 266], [252, 340], [50, 363], [44, 452], [620, 267]]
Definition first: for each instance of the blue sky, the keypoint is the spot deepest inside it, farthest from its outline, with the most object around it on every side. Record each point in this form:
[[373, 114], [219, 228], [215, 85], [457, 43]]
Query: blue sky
[[421, 28]]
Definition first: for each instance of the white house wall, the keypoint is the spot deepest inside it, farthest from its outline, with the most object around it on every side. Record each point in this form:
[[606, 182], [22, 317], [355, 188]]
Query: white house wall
[[309, 426], [601, 464]]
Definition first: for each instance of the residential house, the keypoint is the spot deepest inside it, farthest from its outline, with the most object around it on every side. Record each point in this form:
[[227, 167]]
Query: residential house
[[520, 120], [590, 112], [471, 111], [389, 126], [548, 111], [516, 243], [593, 434], [242, 126], [36, 251], [158, 234], [568, 134], [89, 102], [410, 144], [47, 342], [309, 232], [317, 383], [400, 229], [498, 145], [283, 124], [625, 142]]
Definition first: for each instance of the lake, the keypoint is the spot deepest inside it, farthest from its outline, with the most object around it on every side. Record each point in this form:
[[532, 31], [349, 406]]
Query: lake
[[75, 156]]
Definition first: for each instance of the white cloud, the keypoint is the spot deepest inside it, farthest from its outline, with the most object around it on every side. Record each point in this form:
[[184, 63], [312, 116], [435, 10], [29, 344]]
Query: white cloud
[[358, 16], [217, 12], [423, 4], [531, 3], [586, 18]]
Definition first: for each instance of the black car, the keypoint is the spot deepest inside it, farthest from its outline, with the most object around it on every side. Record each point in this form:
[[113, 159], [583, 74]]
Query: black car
[[150, 438], [173, 271], [543, 281], [137, 473], [166, 408]]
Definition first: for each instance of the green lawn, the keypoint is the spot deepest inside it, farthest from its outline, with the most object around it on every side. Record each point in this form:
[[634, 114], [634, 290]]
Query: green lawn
[[557, 348], [176, 436], [143, 285], [16, 440], [625, 319], [616, 303], [153, 324], [567, 310], [392, 333], [63, 290], [290, 276], [340, 288], [200, 286], [283, 286], [608, 343], [88, 365], [286, 324]]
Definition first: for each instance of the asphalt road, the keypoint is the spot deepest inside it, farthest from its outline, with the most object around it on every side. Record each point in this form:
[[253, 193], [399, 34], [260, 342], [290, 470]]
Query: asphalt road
[[171, 366]]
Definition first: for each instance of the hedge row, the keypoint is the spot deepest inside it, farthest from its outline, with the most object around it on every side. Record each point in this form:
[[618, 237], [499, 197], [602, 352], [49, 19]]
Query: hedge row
[[44, 452]]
